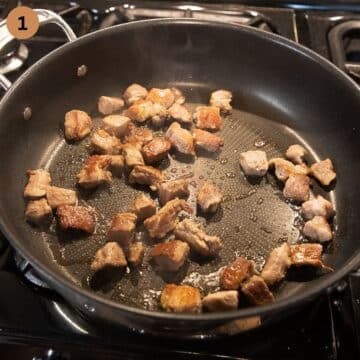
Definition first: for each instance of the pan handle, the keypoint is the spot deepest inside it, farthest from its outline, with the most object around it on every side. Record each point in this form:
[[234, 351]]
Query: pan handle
[[45, 17]]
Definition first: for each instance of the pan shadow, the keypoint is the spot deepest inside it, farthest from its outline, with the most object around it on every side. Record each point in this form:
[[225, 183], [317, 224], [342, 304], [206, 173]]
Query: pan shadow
[[303, 274], [91, 194], [211, 217], [183, 158], [207, 154], [105, 279]]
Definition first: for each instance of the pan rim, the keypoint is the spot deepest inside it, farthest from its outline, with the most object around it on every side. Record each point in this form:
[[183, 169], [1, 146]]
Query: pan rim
[[59, 282]]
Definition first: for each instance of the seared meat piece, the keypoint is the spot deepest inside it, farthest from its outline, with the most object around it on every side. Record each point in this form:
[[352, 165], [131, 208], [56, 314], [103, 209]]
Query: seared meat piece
[[172, 189], [256, 291], [285, 168], [166, 218], [143, 206], [181, 139], [156, 149], [136, 253], [221, 99], [190, 232], [170, 256], [146, 175], [37, 184], [180, 113], [297, 188], [110, 255], [254, 163], [208, 118], [159, 115], [107, 105], [180, 299], [137, 136], [317, 207], [277, 264], [115, 124], [296, 153], [221, 301], [164, 97], [209, 197], [206, 140], [140, 111], [133, 93], [76, 218], [307, 255], [95, 172], [57, 196], [116, 164], [235, 273], [323, 171], [178, 95], [132, 155], [38, 212], [78, 125], [104, 143], [122, 228], [318, 229]]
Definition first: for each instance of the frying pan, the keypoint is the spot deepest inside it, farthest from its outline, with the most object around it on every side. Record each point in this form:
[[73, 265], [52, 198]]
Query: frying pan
[[283, 94]]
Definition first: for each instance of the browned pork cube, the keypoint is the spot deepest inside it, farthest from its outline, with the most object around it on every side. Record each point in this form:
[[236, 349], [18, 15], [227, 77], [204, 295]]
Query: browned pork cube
[[170, 256], [256, 291], [285, 168], [254, 163], [164, 97], [94, 172], [38, 212], [172, 189], [179, 96], [221, 99], [221, 301], [180, 113], [57, 196], [317, 207], [115, 124], [116, 164], [296, 153], [323, 171], [133, 93], [206, 140], [104, 143], [140, 111], [233, 275], [136, 253], [122, 228], [277, 264], [79, 218], [209, 197], [192, 233], [156, 149], [107, 104], [159, 115], [146, 175], [307, 255], [137, 136], [78, 125], [110, 255], [181, 139], [37, 184], [132, 155], [166, 218], [297, 188], [208, 118], [318, 229], [143, 206], [180, 299]]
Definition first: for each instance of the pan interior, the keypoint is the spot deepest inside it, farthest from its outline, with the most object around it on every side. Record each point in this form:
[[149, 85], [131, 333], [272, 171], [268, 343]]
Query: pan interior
[[253, 219]]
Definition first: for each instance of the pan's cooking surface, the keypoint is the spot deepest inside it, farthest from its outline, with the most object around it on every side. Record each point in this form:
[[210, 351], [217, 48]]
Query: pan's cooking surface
[[253, 219]]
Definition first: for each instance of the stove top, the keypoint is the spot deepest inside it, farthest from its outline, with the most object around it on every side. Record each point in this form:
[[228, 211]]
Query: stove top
[[35, 323]]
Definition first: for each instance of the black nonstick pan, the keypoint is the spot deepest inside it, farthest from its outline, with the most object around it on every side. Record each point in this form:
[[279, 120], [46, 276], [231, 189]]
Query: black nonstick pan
[[283, 94]]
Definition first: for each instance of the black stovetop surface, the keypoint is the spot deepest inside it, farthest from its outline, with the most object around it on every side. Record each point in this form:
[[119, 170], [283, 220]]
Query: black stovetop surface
[[35, 323]]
